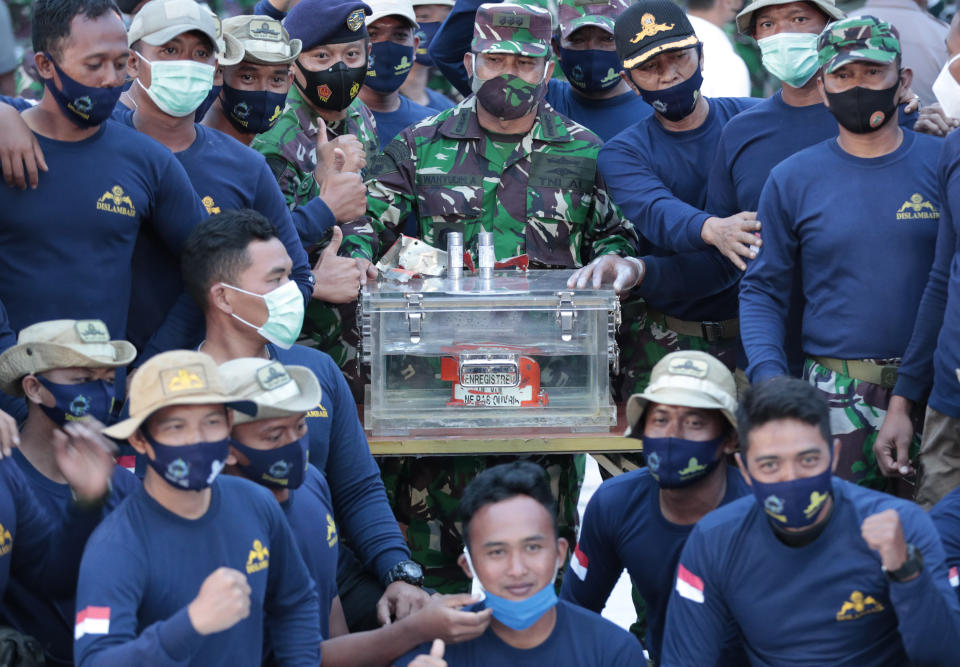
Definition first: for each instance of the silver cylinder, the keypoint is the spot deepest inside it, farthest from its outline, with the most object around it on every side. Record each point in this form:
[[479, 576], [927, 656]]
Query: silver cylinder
[[485, 255], [454, 255]]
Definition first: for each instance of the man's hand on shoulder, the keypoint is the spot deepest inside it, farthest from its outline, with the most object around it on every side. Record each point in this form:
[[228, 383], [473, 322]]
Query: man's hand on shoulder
[[736, 237], [21, 158]]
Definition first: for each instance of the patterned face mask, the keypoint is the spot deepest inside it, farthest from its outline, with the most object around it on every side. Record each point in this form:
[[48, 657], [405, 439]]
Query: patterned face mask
[[507, 96]]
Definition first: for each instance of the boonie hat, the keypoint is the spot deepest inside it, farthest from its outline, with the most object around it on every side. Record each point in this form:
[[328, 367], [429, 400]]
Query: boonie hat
[[316, 22], [513, 29], [688, 378], [264, 40], [277, 390], [576, 14], [651, 27], [828, 7], [180, 377], [861, 38], [46, 346], [159, 21], [402, 8]]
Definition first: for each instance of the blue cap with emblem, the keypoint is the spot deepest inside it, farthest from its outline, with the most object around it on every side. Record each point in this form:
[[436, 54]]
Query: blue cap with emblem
[[316, 22]]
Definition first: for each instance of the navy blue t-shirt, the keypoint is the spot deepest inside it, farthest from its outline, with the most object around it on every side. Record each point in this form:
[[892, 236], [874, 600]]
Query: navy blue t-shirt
[[50, 620], [438, 101], [658, 179], [339, 448], [605, 118], [826, 603], [946, 517], [623, 527], [66, 247], [580, 637], [310, 513], [934, 351], [228, 176], [391, 123], [862, 280], [18, 103], [144, 565]]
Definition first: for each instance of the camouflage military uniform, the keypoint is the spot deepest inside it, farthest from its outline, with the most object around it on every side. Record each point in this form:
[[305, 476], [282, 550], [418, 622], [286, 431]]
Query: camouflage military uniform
[[290, 148]]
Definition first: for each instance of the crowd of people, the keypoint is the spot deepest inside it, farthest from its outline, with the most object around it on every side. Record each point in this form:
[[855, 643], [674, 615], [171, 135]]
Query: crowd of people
[[193, 202]]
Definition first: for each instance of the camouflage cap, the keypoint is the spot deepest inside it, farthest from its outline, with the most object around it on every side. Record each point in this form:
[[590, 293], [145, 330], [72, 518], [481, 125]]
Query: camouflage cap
[[265, 41], [575, 14], [865, 38], [510, 28]]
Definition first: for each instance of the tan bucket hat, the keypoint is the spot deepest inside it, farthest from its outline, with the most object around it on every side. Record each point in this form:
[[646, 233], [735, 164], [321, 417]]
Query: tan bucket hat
[[265, 41], [277, 390], [46, 346], [180, 377], [688, 378], [828, 7]]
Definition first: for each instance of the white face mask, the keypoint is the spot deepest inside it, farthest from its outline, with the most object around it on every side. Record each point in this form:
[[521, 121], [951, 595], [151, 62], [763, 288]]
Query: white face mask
[[947, 90]]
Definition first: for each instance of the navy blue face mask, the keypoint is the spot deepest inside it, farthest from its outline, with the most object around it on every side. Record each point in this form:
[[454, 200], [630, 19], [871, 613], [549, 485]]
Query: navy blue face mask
[[85, 106], [78, 401], [677, 102], [675, 462], [188, 467], [426, 34], [389, 65], [590, 70], [797, 503], [280, 468], [206, 104], [252, 111]]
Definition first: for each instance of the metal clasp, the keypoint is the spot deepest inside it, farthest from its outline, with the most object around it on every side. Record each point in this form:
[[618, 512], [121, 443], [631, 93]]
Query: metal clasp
[[415, 316], [566, 316], [712, 331]]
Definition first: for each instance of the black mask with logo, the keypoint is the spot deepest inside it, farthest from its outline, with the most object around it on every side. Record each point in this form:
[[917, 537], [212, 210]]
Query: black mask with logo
[[332, 89], [863, 110]]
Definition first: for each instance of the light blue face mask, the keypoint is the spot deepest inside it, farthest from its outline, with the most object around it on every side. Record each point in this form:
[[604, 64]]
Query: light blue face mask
[[790, 56], [178, 87], [516, 614]]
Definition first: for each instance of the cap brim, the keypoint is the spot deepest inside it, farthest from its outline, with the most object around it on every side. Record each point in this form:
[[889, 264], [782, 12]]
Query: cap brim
[[308, 398], [515, 48], [843, 58], [393, 10], [672, 396], [743, 18], [655, 49], [604, 22], [163, 36], [233, 51], [296, 46], [16, 362], [122, 430]]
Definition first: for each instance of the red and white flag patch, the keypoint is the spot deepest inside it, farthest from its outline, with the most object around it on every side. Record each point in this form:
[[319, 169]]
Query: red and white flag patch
[[579, 563], [954, 577], [92, 621], [689, 585]]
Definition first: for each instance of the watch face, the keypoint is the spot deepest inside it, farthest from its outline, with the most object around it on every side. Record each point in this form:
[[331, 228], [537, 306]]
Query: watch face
[[412, 570]]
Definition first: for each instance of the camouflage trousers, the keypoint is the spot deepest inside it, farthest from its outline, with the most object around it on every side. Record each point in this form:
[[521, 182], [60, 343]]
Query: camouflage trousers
[[643, 342], [425, 493], [857, 409], [333, 329]]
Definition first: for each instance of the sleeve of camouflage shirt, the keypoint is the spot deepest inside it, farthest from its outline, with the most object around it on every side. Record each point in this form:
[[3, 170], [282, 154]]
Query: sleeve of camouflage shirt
[[610, 233]]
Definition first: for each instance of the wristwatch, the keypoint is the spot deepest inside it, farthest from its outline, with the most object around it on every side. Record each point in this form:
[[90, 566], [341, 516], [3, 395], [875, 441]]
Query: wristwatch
[[406, 570], [910, 568]]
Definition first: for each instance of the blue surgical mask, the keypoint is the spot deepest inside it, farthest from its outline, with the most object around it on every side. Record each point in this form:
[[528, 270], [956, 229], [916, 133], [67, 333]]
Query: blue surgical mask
[[252, 111], [790, 56], [188, 467], [426, 33], [206, 104], [75, 402], [389, 65], [85, 106], [590, 70], [677, 102], [675, 462], [797, 503], [280, 468], [518, 614]]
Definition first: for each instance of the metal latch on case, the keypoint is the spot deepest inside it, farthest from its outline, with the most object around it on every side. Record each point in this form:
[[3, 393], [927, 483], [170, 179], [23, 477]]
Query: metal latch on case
[[415, 316], [566, 315]]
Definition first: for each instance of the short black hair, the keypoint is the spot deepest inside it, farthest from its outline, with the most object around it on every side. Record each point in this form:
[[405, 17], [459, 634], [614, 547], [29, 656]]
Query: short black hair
[[782, 398], [701, 5], [50, 24], [216, 250], [520, 478]]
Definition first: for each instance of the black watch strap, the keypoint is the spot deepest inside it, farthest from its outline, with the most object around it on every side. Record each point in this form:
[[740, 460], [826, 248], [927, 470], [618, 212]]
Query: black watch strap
[[408, 571], [910, 568]]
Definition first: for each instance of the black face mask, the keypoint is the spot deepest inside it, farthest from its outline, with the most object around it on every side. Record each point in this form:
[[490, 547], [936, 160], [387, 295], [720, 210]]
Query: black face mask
[[862, 110], [333, 89]]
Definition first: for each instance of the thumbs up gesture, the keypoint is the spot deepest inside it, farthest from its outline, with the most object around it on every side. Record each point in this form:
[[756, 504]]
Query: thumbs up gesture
[[337, 279], [338, 164], [435, 659]]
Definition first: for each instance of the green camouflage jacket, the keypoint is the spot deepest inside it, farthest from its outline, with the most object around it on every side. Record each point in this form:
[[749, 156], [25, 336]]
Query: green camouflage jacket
[[546, 198], [291, 145]]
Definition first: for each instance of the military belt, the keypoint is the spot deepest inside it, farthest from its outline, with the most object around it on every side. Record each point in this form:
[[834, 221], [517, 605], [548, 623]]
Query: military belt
[[709, 331], [865, 370]]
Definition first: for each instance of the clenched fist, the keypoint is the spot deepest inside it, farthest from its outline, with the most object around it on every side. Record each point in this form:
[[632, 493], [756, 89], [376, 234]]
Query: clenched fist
[[223, 601]]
